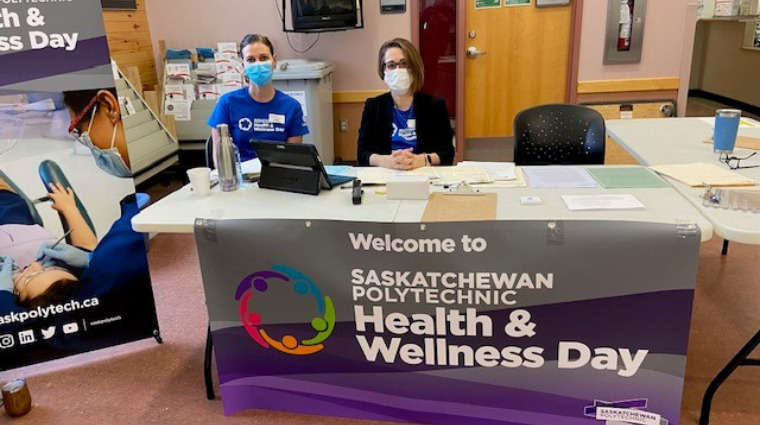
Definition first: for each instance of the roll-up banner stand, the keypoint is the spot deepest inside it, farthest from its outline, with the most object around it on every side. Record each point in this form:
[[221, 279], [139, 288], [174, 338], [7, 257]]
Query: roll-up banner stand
[[74, 274]]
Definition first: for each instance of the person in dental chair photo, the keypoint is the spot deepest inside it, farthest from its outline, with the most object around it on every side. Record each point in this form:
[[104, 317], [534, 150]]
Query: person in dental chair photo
[[96, 123], [405, 128], [259, 111], [33, 267]]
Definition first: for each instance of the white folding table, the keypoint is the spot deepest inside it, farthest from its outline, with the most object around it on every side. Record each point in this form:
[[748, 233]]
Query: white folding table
[[681, 141]]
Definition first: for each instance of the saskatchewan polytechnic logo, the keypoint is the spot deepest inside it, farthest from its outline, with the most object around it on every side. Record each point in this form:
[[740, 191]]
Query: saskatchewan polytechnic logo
[[257, 284]]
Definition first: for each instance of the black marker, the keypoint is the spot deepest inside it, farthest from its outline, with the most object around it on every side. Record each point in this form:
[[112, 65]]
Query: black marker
[[356, 194]]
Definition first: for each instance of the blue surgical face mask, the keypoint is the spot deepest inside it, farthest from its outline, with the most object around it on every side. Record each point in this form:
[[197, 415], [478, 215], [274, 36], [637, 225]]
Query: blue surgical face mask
[[109, 160], [260, 73]]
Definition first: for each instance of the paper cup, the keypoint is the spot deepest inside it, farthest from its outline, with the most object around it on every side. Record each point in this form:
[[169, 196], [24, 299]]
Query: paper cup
[[200, 180]]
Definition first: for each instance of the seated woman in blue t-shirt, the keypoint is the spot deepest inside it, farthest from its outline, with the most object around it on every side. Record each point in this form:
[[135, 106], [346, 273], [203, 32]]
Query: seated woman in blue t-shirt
[[258, 112]]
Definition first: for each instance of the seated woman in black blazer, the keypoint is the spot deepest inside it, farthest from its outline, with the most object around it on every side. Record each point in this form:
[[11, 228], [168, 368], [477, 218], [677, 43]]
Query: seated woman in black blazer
[[404, 129]]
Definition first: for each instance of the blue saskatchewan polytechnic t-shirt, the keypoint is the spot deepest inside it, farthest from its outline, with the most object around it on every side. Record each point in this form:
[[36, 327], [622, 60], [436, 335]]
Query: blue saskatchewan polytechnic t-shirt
[[248, 119], [404, 130]]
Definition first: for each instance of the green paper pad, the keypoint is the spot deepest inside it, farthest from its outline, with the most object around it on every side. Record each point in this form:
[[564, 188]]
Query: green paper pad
[[626, 177]]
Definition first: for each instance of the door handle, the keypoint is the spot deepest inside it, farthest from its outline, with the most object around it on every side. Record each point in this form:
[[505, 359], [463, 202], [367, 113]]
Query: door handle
[[473, 52]]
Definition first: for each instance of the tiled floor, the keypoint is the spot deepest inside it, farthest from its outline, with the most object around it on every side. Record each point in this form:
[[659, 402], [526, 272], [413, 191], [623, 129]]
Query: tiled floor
[[701, 107], [145, 383]]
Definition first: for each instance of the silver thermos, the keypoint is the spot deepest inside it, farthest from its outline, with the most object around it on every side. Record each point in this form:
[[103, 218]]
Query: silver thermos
[[227, 160]]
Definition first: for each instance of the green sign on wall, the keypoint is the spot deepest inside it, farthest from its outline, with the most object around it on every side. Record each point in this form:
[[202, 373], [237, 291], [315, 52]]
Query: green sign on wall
[[487, 4], [516, 2]]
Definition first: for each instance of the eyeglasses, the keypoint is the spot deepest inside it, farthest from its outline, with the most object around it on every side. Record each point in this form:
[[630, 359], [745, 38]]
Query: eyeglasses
[[80, 116], [390, 66], [734, 162], [28, 278]]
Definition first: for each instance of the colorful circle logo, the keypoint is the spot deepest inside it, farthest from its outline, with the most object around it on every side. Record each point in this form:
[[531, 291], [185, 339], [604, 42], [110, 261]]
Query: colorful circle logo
[[259, 283]]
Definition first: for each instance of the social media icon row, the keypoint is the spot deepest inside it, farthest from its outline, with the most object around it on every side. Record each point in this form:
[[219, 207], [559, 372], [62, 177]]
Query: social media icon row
[[28, 336]]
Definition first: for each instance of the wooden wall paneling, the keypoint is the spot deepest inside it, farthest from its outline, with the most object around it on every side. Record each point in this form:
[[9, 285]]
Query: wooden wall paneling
[[640, 84], [345, 143], [614, 153], [627, 97], [129, 41]]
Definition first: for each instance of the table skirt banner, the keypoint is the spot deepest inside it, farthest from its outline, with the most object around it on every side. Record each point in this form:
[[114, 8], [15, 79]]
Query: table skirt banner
[[520, 322], [73, 274]]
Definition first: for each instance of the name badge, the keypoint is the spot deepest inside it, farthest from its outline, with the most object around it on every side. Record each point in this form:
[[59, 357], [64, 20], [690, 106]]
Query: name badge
[[277, 119], [411, 124]]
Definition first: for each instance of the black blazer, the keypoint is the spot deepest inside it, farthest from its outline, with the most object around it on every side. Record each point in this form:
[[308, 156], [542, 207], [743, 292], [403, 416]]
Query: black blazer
[[434, 133]]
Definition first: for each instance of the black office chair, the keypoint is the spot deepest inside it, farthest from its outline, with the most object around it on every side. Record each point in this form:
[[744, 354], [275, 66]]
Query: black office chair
[[209, 152], [559, 134]]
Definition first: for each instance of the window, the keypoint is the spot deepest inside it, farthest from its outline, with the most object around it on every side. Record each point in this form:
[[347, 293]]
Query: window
[[752, 33], [756, 42]]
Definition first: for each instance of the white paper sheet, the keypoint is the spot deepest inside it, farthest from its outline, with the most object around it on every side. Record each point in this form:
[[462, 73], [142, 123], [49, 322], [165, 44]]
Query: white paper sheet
[[497, 170], [602, 202], [300, 96], [438, 175], [457, 174], [377, 175], [558, 176]]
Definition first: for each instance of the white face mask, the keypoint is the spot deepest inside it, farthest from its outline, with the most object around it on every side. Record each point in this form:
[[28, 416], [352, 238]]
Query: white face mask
[[398, 80]]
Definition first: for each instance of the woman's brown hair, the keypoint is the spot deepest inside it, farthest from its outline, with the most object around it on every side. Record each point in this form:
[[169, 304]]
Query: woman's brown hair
[[413, 60], [256, 38]]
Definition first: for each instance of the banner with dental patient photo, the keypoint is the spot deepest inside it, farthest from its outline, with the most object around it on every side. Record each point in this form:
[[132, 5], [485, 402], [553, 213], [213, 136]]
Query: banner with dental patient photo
[[73, 274], [511, 322]]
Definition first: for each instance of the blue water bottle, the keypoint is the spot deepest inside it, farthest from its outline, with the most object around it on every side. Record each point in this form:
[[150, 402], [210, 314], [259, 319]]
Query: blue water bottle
[[726, 128]]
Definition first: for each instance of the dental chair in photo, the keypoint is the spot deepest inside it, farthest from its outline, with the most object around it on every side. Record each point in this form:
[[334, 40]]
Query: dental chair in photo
[[51, 173]]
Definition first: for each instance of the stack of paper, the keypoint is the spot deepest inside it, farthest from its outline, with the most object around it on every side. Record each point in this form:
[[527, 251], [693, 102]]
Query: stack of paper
[[498, 170], [745, 142], [701, 174], [459, 174], [438, 175], [519, 181]]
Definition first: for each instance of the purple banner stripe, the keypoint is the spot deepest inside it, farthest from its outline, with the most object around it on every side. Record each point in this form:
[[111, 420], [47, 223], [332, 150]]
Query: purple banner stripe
[[268, 393], [35, 64], [593, 322], [428, 388]]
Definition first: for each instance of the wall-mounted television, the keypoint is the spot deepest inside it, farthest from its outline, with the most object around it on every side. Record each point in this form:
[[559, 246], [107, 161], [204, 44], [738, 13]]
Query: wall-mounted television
[[320, 15], [119, 4]]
